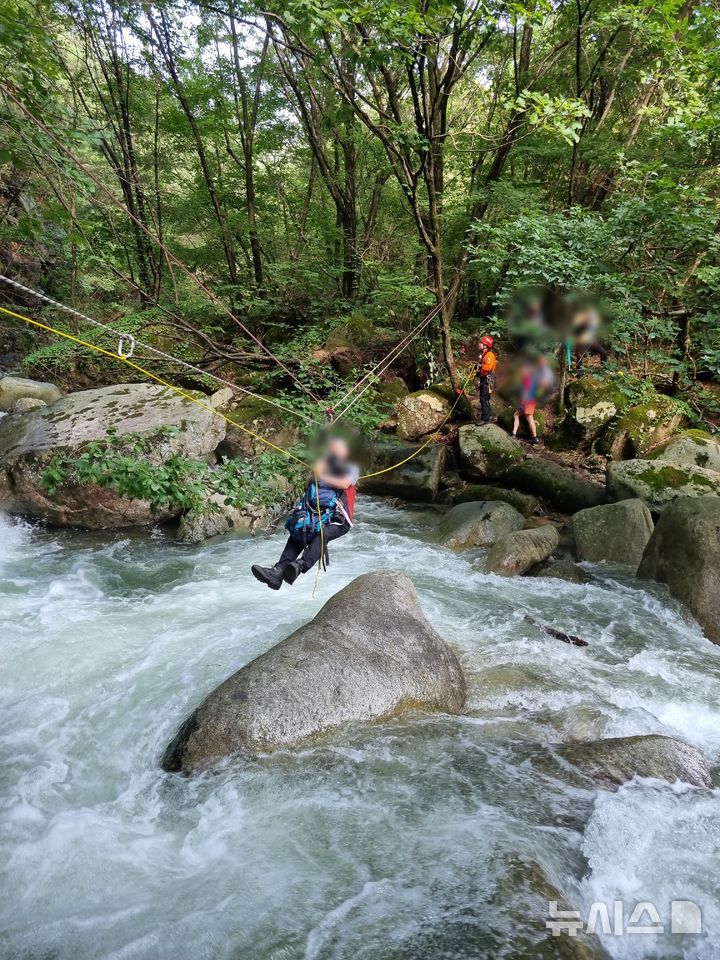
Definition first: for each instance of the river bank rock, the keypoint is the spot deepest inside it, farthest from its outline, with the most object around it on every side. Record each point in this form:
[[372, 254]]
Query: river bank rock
[[418, 479], [556, 484], [659, 483], [477, 524], [487, 452], [420, 413], [641, 428], [525, 503], [30, 441], [368, 655], [13, 389], [560, 570], [616, 532], [518, 552], [257, 415], [691, 449], [27, 403], [216, 517], [614, 761], [684, 553]]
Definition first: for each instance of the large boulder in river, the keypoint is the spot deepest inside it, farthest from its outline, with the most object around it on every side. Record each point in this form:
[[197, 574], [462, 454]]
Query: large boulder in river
[[641, 428], [487, 452], [30, 441], [614, 761], [524, 502], [561, 487], [518, 552], [684, 553], [420, 413], [368, 655], [402, 471], [13, 389], [478, 524], [691, 449], [659, 483], [617, 532]]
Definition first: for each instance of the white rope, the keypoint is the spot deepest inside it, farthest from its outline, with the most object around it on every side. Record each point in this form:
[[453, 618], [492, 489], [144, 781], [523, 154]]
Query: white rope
[[129, 342]]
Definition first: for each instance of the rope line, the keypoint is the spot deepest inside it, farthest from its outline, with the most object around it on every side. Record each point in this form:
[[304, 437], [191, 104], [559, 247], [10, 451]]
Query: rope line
[[116, 200], [153, 376], [150, 349]]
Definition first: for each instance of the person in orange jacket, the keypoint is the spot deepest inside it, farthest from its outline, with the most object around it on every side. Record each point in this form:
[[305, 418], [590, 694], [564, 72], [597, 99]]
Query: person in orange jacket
[[486, 377]]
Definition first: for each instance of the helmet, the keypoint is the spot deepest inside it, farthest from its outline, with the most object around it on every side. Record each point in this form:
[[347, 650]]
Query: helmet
[[487, 342]]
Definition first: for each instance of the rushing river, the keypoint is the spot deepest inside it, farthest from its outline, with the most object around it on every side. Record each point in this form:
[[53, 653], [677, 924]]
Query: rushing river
[[419, 839]]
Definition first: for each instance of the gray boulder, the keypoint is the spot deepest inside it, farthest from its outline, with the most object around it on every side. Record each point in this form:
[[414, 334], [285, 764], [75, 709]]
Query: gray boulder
[[420, 413], [13, 389], [556, 484], [659, 483], [684, 553], [641, 428], [487, 452], [612, 762], [478, 524], [29, 442], [517, 552], [561, 570], [617, 532], [692, 449], [216, 517], [368, 655], [27, 403], [418, 479], [592, 403], [524, 502]]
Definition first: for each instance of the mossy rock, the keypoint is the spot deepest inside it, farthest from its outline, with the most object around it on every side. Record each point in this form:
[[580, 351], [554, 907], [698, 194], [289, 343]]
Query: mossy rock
[[592, 403], [641, 428], [487, 452], [417, 479], [262, 418], [694, 448], [420, 413], [659, 483], [356, 333], [556, 484], [523, 502]]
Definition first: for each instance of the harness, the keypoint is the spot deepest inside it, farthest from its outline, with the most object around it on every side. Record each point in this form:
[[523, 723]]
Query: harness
[[304, 522]]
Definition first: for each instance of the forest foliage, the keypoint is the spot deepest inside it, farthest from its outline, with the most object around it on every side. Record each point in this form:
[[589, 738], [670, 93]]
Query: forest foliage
[[312, 162]]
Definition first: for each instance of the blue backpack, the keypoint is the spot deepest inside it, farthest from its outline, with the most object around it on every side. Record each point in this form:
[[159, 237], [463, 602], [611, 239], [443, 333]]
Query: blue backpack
[[304, 522]]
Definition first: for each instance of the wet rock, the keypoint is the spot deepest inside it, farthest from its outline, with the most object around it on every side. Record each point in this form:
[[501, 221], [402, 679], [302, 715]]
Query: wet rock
[[684, 553], [560, 486], [13, 389], [28, 444], [487, 452], [523, 502], [612, 762], [695, 448], [659, 483], [420, 413], [27, 403], [216, 517], [518, 552], [616, 532], [418, 479], [369, 654], [560, 570], [641, 428], [478, 524]]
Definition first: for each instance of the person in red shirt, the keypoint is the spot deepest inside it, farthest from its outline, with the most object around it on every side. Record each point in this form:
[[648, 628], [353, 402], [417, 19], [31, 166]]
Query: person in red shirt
[[486, 377]]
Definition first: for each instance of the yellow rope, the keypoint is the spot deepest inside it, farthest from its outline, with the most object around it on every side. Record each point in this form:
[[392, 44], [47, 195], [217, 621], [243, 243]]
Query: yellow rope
[[153, 376]]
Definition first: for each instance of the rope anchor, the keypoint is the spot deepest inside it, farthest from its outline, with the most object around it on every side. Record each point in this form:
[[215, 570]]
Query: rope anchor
[[126, 346]]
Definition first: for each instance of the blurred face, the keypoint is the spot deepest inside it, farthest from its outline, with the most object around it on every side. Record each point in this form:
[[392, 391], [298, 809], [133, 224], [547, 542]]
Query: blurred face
[[338, 449]]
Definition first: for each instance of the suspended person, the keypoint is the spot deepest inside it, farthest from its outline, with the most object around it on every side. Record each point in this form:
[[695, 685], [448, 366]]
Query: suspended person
[[333, 487], [486, 378], [537, 381]]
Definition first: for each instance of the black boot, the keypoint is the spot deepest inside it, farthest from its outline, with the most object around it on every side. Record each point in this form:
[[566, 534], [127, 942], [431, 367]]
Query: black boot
[[272, 576], [292, 572]]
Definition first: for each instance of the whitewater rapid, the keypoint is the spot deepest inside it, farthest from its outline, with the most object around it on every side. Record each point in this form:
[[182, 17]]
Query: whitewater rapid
[[411, 839]]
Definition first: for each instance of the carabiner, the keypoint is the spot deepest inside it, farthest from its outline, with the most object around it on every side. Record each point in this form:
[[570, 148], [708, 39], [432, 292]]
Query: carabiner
[[125, 352]]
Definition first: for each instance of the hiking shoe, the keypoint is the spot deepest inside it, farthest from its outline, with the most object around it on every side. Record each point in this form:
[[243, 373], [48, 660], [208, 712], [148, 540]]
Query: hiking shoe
[[534, 441], [271, 576], [292, 572]]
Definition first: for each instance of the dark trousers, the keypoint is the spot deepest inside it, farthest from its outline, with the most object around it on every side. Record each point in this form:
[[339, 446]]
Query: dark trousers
[[484, 392], [311, 552]]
